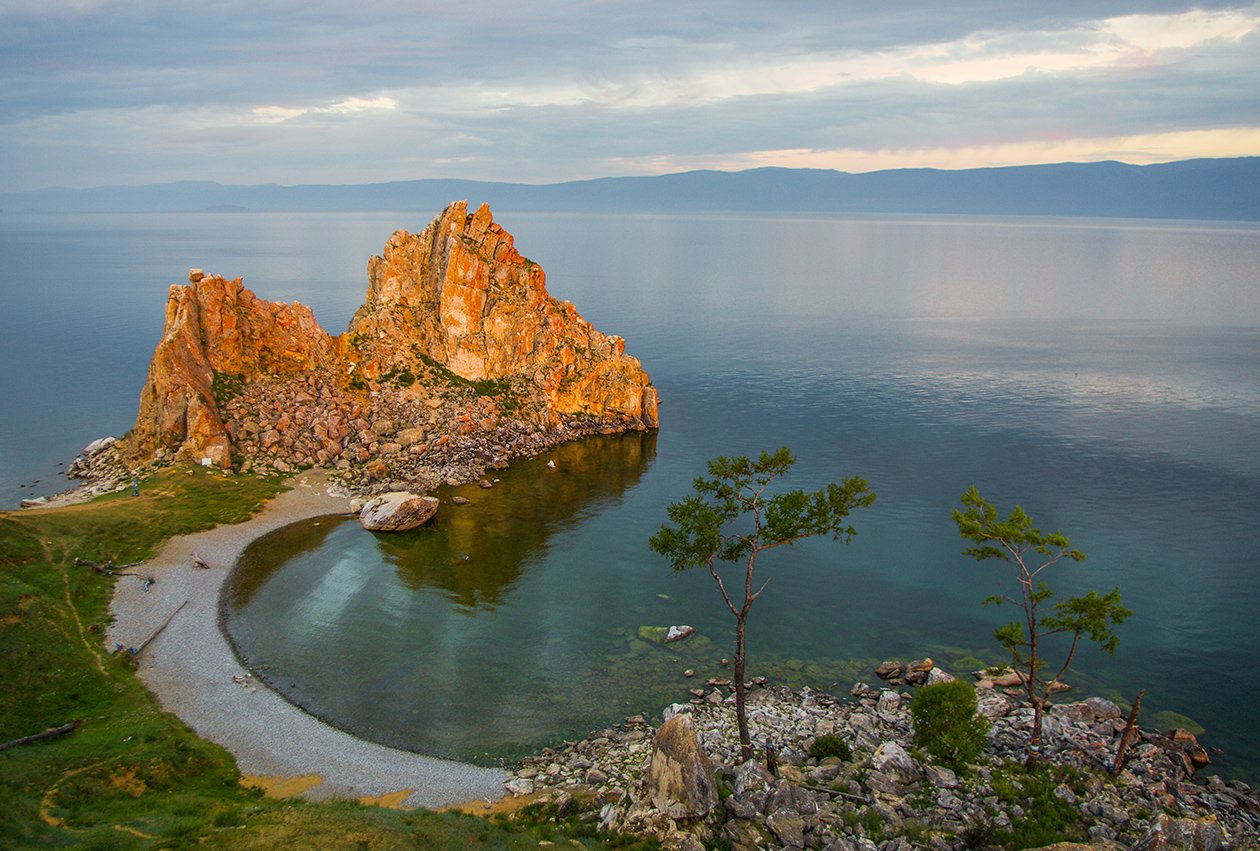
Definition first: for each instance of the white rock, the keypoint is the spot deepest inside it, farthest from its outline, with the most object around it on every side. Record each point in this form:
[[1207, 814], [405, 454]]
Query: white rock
[[398, 511], [675, 709], [678, 633], [891, 758], [99, 446]]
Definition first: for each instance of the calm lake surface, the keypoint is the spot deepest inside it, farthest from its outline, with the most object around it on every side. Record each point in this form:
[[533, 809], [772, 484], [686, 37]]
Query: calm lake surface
[[1104, 374]]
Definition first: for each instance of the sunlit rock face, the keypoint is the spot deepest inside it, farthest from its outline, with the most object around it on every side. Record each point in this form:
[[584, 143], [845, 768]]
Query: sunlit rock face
[[454, 307], [214, 325], [460, 293]]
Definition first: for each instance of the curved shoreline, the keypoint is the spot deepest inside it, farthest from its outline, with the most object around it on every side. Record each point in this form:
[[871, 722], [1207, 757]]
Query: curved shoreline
[[193, 672]]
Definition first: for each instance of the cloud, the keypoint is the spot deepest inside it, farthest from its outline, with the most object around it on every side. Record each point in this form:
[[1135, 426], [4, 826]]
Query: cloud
[[1142, 149], [349, 106], [101, 92]]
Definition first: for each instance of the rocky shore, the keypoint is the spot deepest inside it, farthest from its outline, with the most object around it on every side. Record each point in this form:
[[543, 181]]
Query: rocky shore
[[402, 442], [887, 796]]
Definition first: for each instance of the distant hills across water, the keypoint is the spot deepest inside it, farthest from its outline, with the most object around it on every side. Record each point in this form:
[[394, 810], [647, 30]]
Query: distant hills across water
[[1223, 189]]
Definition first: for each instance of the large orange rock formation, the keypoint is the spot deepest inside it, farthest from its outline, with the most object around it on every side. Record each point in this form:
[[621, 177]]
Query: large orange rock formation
[[455, 303]]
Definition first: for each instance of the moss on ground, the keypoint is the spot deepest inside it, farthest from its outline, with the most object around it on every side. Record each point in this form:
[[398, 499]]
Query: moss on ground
[[132, 775]]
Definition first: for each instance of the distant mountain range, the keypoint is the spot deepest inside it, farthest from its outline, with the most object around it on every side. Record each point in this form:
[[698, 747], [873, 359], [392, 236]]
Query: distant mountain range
[[1190, 189]]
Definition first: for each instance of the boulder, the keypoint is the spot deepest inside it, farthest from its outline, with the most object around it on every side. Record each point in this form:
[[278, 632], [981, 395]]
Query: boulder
[[993, 705], [1104, 710], [1074, 711], [1009, 678], [940, 777], [97, 446], [1169, 833], [889, 702], [398, 511], [890, 669], [410, 436], [892, 760], [788, 827], [680, 777]]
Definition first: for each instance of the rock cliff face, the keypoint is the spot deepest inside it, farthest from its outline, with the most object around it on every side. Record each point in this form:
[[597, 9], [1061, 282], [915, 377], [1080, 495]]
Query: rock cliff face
[[457, 335], [461, 294], [216, 328]]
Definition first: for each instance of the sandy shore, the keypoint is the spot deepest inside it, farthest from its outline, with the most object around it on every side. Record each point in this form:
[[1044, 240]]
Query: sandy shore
[[190, 667]]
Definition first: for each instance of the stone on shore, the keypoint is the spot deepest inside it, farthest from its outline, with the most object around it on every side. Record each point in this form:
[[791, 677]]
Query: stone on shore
[[680, 777], [398, 511], [1176, 833]]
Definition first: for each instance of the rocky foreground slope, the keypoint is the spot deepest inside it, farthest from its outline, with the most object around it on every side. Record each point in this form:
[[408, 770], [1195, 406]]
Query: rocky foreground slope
[[684, 783], [458, 359]]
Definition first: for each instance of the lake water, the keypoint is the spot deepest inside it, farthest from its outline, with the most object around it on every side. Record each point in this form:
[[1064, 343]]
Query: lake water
[[1105, 374]]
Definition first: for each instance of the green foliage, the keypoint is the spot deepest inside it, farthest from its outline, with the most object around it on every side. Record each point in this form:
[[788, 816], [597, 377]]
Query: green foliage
[[1017, 540], [226, 386], [1092, 615], [825, 746], [736, 490], [732, 518], [1047, 817], [946, 724]]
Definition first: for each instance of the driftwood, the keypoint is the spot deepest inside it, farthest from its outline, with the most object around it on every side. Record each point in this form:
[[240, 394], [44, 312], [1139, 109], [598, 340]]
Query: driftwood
[[47, 734], [200, 562], [1127, 738], [158, 631], [108, 568]]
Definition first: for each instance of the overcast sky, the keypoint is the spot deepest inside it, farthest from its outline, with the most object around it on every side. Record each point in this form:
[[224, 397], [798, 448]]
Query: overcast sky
[[106, 92]]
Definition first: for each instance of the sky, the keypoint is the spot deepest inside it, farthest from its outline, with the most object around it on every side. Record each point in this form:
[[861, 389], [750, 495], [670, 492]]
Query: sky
[[111, 92]]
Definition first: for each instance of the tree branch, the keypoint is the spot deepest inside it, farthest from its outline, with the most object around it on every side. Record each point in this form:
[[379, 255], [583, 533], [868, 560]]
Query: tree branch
[[722, 588]]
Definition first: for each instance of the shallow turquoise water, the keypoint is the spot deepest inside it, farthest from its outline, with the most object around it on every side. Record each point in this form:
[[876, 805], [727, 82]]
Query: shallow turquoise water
[[1104, 374]]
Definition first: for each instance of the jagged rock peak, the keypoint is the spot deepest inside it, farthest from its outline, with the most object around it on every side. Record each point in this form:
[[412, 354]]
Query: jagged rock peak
[[454, 309], [460, 293]]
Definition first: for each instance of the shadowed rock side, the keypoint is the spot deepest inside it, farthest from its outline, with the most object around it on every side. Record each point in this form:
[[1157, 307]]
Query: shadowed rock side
[[458, 359]]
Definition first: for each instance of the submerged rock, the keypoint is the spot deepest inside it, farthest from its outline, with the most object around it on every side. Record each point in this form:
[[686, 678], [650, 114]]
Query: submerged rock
[[678, 633]]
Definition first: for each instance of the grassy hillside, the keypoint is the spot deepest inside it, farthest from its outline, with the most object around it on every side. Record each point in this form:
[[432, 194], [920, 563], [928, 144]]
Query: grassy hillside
[[131, 775]]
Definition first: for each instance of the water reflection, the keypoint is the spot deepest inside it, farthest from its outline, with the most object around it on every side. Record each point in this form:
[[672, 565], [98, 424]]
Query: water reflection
[[259, 562], [389, 636], [475, 553]]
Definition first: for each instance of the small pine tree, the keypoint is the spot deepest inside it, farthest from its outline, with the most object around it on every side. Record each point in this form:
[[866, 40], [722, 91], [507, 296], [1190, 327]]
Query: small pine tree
[[1093, 616], [731, 518], [946, 724]]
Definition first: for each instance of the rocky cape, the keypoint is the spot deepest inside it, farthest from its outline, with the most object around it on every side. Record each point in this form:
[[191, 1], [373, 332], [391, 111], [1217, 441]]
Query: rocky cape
[[458, 359]]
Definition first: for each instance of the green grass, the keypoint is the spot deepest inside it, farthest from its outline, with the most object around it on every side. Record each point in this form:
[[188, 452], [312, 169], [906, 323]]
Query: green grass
[[133, 776], [1048, 819]]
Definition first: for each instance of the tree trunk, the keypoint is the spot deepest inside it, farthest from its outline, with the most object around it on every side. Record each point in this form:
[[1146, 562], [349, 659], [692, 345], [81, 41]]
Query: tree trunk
[[1034, 740], [741, 713]]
